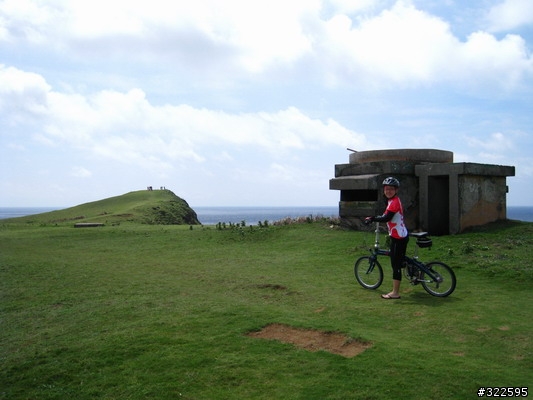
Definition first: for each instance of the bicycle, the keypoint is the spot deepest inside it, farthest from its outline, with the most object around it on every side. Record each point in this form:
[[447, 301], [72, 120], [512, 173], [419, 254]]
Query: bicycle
[[437, 278]]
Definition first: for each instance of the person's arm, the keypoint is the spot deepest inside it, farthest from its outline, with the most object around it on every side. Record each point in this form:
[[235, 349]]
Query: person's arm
[[386, 217]]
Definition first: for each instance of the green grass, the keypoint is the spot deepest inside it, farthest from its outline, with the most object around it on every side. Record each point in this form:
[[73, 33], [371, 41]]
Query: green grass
[[162, 312]]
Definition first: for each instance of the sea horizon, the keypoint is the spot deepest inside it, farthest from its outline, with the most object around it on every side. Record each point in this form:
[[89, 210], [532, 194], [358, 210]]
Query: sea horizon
[[211, 215]]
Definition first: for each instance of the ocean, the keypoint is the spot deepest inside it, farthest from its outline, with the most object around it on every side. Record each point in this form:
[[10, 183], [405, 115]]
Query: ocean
[[252, 215], [13, 212]]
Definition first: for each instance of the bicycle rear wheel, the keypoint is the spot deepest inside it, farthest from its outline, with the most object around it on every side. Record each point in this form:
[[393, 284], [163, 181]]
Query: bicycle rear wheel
[[445, 281], [368, 272]]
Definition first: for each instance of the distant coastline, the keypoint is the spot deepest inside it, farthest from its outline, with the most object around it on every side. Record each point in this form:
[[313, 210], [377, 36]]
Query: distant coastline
[[14, 212], [252, 215]]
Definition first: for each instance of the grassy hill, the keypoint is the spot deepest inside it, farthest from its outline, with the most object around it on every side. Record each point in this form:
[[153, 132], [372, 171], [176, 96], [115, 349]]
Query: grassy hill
[[157, 207]]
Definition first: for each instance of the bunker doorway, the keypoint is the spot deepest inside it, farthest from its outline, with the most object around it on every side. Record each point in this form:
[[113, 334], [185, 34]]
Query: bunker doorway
[[439, 205]]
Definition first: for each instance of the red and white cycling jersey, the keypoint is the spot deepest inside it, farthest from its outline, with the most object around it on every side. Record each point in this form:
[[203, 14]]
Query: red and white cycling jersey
[[396, 225]]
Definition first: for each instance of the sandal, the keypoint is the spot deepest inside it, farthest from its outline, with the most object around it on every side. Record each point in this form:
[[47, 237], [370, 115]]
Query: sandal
[[389, 297]]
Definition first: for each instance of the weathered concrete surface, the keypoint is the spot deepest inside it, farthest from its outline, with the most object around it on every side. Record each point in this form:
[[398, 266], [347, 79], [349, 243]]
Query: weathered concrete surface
[[481, 200], [476, 195], [438, 195], [356, 182], [417, 156], [465, 168], [375, 167]]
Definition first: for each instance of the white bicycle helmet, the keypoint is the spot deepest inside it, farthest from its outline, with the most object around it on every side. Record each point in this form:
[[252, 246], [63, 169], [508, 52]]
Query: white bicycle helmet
[[391, 181]]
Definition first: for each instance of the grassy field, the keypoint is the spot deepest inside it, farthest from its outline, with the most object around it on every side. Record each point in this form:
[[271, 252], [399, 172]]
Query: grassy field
[[162, 312]]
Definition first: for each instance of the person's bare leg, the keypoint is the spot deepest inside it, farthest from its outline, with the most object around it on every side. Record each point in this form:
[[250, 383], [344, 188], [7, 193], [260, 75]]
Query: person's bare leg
[[395, 294], [395, 288]]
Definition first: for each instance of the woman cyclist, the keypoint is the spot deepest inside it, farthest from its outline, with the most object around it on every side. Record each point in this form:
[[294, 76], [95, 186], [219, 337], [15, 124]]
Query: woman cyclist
[[398, 233]]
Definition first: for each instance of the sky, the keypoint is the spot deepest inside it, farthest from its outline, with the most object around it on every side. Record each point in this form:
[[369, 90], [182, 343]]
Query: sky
[[252, 102]]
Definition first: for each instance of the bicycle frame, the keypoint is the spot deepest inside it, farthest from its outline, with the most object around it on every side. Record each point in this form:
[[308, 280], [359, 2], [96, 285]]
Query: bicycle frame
[[421, 266], [377, 251]]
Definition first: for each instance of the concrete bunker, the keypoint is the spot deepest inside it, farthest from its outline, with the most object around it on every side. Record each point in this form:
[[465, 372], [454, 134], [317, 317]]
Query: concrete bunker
[[438, 195]]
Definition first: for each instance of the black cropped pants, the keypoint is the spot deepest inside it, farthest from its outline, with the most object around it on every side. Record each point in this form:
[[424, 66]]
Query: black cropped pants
[[398, 247]]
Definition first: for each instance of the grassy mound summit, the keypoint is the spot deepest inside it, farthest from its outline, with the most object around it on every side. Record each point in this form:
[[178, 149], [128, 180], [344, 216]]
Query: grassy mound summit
[[157, 207]]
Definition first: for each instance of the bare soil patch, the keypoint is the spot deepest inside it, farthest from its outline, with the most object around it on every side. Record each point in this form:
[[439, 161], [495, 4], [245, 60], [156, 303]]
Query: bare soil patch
[[313, 340], [271, 286]]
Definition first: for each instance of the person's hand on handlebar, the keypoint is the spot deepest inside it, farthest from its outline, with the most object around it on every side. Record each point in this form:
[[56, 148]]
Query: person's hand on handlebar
[[369, 220]]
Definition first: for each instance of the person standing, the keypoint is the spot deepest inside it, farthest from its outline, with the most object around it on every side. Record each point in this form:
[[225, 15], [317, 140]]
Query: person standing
[[398, 233]]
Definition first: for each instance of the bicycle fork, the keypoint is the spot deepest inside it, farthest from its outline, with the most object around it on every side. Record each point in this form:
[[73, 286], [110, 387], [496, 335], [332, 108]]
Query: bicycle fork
[[371, 264]]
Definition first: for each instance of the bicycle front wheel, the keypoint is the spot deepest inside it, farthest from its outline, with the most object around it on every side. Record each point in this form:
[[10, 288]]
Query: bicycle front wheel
[[444, 283], [368, 272]]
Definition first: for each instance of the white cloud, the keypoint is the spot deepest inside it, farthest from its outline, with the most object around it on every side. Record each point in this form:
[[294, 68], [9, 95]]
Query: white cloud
[[510, 14], [408, 47], [401, 45], [127, 127], [484, 60], [80, 172], [23, 20], [280, 172], [496, 143], [351, 6], [22, 94], [255, 34]]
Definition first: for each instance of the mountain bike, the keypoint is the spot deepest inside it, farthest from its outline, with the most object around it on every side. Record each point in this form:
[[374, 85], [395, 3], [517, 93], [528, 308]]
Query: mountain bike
[[437, 278]]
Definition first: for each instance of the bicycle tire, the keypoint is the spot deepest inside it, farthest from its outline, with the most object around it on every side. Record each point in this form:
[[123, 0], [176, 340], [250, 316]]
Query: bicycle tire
[[447, 284], [368, 274]]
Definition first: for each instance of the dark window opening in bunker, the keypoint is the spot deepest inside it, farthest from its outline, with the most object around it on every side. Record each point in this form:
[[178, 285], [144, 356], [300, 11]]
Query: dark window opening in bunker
[[359, 195]]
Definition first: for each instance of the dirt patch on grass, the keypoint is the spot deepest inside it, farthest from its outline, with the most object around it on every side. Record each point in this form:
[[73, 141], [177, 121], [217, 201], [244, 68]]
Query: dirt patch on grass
[[312, 340], [271, 286]]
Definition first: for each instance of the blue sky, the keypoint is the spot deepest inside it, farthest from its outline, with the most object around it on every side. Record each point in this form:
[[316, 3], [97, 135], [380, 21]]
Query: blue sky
[[246, 102]]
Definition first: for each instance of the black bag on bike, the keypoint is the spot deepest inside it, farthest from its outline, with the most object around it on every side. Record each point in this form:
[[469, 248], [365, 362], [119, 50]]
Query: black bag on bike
[[424, 242]]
